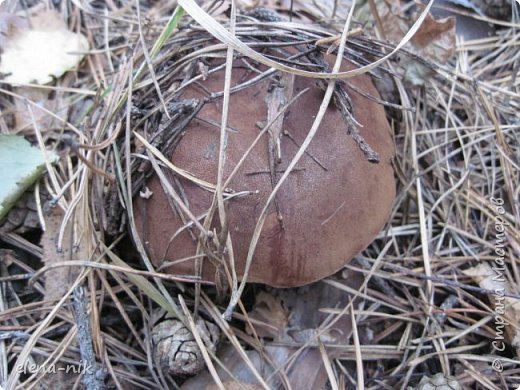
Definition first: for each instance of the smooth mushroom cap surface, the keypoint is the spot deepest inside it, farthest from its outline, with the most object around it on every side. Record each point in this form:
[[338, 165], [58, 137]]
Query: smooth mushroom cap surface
[[329, 215]]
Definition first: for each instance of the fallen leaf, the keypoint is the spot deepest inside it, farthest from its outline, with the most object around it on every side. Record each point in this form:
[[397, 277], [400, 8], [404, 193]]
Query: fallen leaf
[[235, 364], [438, 382], [43, 52], [436, 33], [435, 40], [302, 307], [232, 385], [272, 316], [44, 121], [469, 24], [22, 164], [507, 309]]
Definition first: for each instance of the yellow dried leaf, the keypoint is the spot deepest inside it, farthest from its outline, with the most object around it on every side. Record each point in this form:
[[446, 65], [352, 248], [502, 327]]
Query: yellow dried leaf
[[44, 52]]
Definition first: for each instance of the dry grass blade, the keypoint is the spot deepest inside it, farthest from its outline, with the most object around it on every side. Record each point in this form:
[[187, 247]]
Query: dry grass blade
[[326, 361], [223, 35], [201, 345], [164, 160]]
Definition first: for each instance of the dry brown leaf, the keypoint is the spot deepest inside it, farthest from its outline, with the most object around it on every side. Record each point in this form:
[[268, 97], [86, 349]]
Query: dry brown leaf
[[302, 308], [232, 385], [23, 119], [507, 309], [393, 22], [469, 24], [433, 33], [438, 382], [236, 365], [435, 40], [270, 311]]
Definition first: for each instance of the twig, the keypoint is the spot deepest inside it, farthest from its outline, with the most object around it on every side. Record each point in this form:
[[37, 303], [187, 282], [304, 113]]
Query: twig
[[93, 376], [279, 93]]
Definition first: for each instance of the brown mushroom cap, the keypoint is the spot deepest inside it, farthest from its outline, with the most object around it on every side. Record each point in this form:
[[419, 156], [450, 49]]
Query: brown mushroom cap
[[329, 215]]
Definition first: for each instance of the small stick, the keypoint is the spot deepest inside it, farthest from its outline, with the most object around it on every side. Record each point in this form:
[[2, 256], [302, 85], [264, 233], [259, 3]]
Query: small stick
[[342, 101], [269, 172], [93, 378], [313, 157], [278, 95]]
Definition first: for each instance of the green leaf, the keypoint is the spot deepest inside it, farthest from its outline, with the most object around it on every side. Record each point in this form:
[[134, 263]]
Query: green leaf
[[20, 166]]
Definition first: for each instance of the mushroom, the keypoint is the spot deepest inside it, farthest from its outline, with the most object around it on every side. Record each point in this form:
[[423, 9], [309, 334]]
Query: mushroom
[[330, 207]]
